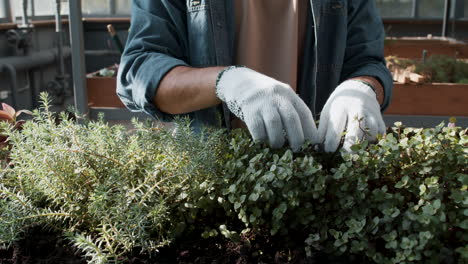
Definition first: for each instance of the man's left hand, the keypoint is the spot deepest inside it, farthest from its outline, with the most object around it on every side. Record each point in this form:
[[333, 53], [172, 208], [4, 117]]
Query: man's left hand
[[352, 108]]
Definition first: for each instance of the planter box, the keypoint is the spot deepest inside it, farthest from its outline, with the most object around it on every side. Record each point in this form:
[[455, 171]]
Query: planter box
[[413, 47], [102, 91], [435, 99]]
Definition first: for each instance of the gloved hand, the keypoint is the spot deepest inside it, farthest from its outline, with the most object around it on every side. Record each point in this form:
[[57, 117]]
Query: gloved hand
[[267, 106], [352, 108]]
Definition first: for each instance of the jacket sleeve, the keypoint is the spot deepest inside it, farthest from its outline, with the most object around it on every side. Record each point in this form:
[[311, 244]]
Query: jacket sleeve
[[364, 55], [157, 42]]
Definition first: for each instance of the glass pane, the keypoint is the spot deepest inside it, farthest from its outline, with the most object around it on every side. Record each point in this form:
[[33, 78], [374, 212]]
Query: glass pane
[[48, 8], [432, 8], [123, 7], [44, 8], [95, 7], [395, 8], [17, 7], [2, 9]]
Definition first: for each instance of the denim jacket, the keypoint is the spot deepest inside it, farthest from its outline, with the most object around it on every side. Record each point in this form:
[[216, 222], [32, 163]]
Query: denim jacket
[[344, 39]]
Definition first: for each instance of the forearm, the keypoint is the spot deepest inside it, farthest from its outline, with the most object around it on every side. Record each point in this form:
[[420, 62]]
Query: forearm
[[185, 89]]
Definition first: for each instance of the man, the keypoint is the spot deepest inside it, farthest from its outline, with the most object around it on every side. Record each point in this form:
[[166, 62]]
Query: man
[[302, 57]]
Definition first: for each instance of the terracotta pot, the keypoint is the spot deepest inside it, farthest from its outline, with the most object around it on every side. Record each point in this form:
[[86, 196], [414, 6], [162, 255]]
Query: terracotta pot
[[435, 99], [102, 91], [413, 47]]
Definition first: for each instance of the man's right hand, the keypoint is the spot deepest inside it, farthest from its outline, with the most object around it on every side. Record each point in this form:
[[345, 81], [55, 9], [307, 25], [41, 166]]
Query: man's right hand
[[268, 107]]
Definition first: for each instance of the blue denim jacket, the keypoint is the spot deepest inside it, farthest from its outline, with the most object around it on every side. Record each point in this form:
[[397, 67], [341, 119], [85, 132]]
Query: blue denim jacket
[[344, 39]]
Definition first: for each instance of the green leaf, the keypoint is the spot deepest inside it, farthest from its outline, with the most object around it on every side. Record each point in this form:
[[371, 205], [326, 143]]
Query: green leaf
[[312, 238], [402, 183], [252, 218], [464, 224], [232, 188], [425, 170], [429, 209], [253, 197], [463, 178], [422, 189]]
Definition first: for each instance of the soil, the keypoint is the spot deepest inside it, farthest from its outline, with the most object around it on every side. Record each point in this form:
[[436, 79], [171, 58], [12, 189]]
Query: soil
[[40, 247], [48, 247]]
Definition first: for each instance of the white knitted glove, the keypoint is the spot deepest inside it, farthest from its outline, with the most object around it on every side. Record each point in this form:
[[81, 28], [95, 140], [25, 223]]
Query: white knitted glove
[[267, 106], [352, 108]]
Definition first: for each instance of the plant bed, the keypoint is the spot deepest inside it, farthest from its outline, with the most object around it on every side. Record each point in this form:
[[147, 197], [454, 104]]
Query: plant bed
[[414, 47], [147, 193], [435, 99], [437, 87], [101, 87]]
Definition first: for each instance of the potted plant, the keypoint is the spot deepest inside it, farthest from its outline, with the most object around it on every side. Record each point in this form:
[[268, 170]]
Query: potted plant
[[102, 88]]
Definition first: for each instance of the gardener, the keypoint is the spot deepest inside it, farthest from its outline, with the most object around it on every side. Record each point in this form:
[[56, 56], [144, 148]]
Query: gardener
[[301, 58]]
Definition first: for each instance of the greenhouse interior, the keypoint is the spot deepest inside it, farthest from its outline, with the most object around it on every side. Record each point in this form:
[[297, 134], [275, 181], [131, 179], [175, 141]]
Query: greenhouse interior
[[164, 131]]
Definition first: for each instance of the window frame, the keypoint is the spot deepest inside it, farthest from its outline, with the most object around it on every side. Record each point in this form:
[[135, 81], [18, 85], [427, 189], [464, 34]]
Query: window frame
[[112, 4], [457, 12]]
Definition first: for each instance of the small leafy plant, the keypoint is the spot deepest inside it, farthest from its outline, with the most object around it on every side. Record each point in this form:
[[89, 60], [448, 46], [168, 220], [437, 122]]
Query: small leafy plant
[[113, 191]]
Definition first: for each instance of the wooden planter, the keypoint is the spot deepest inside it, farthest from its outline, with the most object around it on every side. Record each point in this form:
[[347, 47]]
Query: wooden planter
[[435, 99], [413, 47], [102, 91]]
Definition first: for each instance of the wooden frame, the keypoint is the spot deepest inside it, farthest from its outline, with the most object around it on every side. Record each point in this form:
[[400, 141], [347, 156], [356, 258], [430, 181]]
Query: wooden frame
[[434, 99], [413, 47]]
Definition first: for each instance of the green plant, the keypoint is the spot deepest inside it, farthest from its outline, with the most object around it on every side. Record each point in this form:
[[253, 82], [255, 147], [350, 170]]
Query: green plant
[[442, 68], [108, 189], [112, 190], [401, 200]]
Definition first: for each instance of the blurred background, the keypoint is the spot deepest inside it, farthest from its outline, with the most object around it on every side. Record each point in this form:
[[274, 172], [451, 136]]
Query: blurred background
[[36, 51]]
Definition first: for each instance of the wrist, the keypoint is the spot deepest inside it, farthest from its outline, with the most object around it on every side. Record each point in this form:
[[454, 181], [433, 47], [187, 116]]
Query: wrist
[[375, 84], [220, 75], [366, 83], [222, 72]]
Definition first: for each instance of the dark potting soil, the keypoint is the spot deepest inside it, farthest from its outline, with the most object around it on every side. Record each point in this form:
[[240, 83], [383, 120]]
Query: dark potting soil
[[49, 247], [41, 247]]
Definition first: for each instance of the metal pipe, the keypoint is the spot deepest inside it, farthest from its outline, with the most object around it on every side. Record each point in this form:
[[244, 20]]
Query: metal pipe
[[11, 65], [78, 57], [415, 9], [34, 60], [59, 32], [446, 18], [24, 18], [11, 71], [102, 53]]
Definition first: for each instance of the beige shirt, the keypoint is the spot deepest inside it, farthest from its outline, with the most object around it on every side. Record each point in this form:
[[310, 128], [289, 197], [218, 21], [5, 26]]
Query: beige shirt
[[270, 36]]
